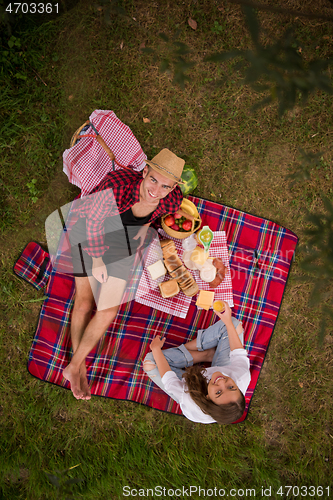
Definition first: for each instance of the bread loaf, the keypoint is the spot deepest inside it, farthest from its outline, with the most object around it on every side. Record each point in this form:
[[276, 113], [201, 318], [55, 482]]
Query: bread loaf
[[169, 288], [172, 262], [177, 270]]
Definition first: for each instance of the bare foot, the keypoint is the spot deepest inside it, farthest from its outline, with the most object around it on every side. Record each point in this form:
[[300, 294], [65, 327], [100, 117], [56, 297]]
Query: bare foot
[[73, 378], [84, 382]]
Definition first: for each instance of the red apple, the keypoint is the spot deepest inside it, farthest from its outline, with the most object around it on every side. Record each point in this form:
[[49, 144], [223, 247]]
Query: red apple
[[187, 225], [177, 215], [169, 220], [175, 227]]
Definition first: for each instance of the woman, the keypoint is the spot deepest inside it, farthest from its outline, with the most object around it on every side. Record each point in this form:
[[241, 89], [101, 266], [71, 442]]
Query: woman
[[214, 394]]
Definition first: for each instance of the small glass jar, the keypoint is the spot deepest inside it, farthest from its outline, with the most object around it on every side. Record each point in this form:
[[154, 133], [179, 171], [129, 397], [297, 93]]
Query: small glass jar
[[189, 243]]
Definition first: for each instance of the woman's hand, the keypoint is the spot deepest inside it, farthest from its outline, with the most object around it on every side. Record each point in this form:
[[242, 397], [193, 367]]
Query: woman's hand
[[99, 270], [225, 315], [157, 343]]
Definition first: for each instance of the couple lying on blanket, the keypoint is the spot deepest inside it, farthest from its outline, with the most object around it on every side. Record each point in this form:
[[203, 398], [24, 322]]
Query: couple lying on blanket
[[215, 395]]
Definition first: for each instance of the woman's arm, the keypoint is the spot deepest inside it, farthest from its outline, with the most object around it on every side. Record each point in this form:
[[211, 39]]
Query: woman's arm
[[156, 348], [225, 316]]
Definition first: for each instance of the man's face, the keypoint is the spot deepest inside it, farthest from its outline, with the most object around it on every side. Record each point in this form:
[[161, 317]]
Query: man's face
[[155, 186]]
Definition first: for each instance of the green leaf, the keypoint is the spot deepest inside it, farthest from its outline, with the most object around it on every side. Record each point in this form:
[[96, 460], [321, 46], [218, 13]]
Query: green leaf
[[54, 480], [165, 65], [224, 56], [252, 23], [20, 76], [328, 205], [74, 481], [148, 50], [164, 37]]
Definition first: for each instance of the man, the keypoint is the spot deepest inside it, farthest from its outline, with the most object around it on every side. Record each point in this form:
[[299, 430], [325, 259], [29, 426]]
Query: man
[[139, 198]]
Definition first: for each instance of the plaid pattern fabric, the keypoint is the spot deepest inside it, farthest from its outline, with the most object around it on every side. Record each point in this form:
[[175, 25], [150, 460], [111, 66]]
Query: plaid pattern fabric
[[118, 192], [34, 265], [87, 163], [260, 254]]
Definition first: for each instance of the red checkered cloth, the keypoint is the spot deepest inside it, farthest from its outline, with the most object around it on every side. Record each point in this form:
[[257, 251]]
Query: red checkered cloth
[[87, 163], [260, 254], [148, 291]]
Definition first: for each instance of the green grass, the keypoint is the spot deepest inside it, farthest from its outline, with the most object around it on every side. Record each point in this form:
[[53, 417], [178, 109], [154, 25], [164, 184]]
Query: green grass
[[242, 160]]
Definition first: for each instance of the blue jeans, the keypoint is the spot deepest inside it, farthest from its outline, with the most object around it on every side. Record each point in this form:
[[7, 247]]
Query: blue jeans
[[179, 357]]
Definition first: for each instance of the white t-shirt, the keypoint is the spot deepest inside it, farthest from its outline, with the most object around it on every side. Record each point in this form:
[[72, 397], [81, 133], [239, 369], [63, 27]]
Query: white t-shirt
[[238, 370]]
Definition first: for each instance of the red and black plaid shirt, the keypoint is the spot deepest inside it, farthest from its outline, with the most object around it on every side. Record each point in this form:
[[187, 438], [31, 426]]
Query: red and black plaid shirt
[[117, 192]]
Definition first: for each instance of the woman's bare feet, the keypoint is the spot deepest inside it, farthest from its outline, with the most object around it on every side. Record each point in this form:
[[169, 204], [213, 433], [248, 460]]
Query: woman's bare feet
[[78, 381]]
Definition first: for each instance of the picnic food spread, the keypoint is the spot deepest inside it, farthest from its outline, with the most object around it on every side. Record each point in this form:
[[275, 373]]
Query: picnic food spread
[[195, 257], [212, 271], [148, 291]]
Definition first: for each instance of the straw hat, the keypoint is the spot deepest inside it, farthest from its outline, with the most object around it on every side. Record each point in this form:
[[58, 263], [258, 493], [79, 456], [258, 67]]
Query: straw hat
[[168, 164]]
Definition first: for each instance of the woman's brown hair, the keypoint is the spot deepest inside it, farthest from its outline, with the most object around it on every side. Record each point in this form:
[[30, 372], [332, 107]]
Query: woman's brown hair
[[197, 388]]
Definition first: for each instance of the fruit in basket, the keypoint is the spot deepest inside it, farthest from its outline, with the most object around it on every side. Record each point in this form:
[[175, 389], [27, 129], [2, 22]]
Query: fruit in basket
[[190, 179], [169, 220], [175, 227], [187, 225], [177, 216]]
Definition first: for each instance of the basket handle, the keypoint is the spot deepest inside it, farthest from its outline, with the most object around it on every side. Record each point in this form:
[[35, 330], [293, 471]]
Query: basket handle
[[106, 148], [194, 223], [100, 141]]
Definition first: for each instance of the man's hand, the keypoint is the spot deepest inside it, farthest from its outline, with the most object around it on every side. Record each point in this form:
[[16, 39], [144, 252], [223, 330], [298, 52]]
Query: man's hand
[[99, 270], [157, 343], [141, 234]]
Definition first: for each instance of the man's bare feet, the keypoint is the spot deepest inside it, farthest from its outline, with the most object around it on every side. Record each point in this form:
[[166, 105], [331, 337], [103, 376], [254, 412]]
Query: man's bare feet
[[74, 378], [84, 382]]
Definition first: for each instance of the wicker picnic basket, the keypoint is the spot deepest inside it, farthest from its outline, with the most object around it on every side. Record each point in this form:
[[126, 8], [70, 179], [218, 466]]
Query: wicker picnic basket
[[188, 207]]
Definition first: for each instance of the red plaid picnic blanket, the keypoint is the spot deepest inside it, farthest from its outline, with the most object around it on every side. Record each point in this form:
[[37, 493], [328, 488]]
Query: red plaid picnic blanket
[[34, 265], [260, 254], [87, 163]]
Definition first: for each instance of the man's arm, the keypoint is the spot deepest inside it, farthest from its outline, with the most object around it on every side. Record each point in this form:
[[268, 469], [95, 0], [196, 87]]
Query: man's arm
[[160, 360], [142, 234]]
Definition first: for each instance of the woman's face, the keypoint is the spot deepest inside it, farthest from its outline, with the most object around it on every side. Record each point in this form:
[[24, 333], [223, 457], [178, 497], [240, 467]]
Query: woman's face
[[222, 389]]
